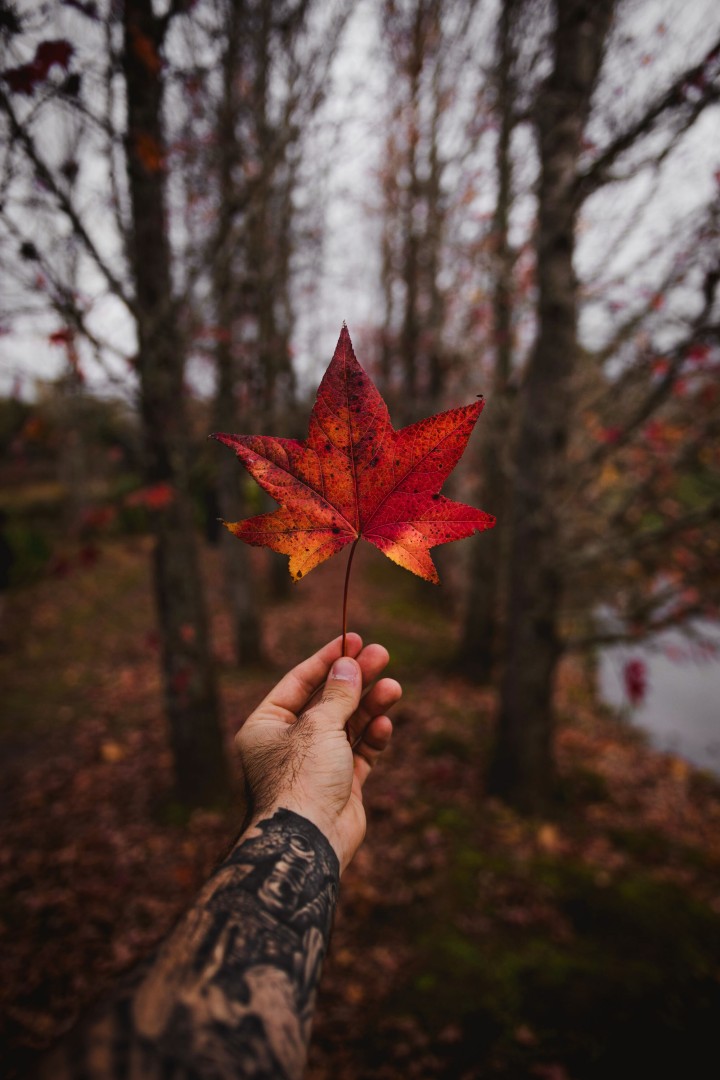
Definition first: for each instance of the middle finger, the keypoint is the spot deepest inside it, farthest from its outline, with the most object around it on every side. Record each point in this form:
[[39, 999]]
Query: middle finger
[[377, 701]]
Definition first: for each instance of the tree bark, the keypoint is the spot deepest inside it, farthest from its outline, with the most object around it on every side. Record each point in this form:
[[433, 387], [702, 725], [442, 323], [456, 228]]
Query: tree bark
[[522, 770], [411, 324], [240, 587], [480, 641], [201, 774]]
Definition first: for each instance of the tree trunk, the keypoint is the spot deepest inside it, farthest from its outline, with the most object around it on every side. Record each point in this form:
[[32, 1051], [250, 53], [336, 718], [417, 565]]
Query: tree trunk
[[240, 583], [437, 361], [410, 329], [387, 272], [240, 587], [480, 642], [522, 770], [201, 773]]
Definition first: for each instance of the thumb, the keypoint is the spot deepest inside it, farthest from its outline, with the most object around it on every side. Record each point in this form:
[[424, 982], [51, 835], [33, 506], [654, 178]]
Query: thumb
[[341, 693]]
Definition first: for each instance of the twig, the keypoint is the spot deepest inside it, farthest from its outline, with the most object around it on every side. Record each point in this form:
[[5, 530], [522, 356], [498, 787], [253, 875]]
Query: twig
[[345, 594]]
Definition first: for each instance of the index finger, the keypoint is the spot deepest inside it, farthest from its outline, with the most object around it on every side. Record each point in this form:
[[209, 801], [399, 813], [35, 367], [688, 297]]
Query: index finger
[[295, 688]]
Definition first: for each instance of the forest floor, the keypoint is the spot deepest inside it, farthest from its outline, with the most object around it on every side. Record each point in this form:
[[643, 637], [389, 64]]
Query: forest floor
[[469, 942]]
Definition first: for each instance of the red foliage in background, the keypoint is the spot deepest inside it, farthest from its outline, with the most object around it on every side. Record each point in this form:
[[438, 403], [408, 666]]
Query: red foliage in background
[[24, 79], [635, 679]]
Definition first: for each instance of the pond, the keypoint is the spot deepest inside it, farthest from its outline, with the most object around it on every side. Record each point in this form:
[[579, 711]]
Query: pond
[[680, 709]]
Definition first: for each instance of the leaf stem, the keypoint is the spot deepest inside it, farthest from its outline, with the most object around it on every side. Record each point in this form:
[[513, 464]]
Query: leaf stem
[[345, 594]]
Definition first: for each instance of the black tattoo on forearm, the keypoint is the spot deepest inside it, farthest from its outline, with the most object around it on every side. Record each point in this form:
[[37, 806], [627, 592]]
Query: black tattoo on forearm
[[231, 992]]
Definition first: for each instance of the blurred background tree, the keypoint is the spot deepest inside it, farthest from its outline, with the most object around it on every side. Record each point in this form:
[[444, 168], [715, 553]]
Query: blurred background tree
[[552, 399]]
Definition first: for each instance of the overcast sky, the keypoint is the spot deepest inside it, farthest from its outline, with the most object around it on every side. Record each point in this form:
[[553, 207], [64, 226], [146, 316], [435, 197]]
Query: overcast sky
[[656, 38]]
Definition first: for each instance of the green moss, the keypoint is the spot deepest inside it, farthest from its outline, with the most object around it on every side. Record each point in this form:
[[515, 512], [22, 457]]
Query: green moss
[[646, 844], [649, 918], [452, 820], [32, 549], [170, 811], [412, 653], [704, 785], [581, 786], [696, 489], [630, 989], [442, 743], [407, 609], [426, 982]]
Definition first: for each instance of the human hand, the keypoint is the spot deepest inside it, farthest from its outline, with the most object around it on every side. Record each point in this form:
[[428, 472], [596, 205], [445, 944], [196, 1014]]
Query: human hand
[[310, 745]]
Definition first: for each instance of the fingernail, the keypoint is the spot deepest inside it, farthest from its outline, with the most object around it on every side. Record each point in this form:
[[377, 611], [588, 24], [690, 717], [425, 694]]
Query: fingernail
[[344, 670]]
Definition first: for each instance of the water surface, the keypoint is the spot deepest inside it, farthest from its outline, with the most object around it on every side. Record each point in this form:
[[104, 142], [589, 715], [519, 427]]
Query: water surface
[[681, 707]]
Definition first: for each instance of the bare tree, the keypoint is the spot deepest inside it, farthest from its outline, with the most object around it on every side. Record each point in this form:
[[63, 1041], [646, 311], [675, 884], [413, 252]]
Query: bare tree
[[276, 72], [556, 555], [480, 640], [427, 46], [523, 766], [190, 692], [229, 303], [140, 279]]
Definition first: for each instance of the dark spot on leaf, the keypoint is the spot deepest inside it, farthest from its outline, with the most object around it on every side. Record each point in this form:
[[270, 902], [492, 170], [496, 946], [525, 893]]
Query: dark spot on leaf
[[299, 573], [335, 529], [436, 496]]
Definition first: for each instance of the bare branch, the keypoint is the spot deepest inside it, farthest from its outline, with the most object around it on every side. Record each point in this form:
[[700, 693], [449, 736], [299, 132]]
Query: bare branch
[[645, 538], [63, 302], [45, 174], [175, 8], [699, 330], [674, 102], [677, 618]]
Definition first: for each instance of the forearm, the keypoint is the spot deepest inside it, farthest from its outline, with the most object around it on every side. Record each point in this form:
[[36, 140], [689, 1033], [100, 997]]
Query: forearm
[[231, 992]]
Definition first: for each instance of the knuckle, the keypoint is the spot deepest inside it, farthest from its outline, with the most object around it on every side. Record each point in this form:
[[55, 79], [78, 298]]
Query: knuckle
[[337, 695]]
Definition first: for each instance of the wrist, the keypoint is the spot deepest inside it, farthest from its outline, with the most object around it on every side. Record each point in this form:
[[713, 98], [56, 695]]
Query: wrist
[[319, 821]]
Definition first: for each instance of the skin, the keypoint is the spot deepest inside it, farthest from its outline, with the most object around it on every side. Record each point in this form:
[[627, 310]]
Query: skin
[[231, 992], [296, 752]]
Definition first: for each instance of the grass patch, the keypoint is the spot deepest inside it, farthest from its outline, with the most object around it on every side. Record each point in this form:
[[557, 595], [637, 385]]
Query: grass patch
[[649, 845], [453, 821], [580, 786], [31, 549], [411, 647], [442, 743], [70, 627], [631, 989]]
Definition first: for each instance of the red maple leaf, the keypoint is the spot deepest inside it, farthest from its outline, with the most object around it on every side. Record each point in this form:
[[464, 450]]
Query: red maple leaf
[[355, 476]]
